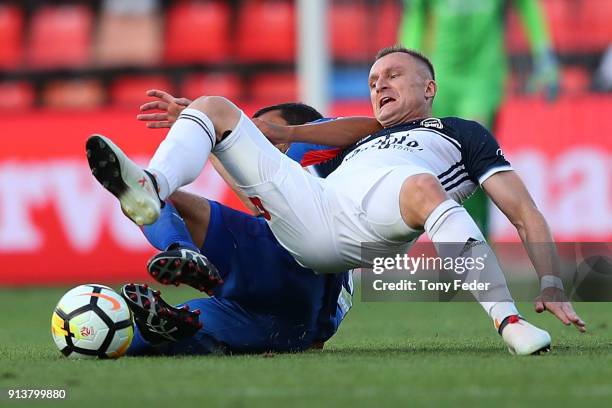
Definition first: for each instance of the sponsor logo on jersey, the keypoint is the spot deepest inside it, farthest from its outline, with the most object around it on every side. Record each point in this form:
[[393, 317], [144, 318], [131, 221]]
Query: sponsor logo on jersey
[[432, 123], [396, 140]]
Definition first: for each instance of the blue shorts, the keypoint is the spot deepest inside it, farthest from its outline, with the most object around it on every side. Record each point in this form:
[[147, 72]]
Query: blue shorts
[[268, 302], [257, 271]]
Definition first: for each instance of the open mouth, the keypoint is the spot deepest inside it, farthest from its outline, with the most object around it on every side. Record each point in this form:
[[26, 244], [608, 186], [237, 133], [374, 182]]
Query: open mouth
[[385, 101]]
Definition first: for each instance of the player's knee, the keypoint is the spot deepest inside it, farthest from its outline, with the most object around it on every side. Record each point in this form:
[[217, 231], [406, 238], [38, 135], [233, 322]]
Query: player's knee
[[221, 111], [419, 196], [212, 105]]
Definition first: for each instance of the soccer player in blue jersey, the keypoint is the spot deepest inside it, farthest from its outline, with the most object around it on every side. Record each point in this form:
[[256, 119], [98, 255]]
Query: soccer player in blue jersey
[[263, 300]]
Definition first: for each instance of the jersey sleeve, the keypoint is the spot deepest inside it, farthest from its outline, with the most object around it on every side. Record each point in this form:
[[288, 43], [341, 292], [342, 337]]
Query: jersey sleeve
[[320, 157], [481, 153]]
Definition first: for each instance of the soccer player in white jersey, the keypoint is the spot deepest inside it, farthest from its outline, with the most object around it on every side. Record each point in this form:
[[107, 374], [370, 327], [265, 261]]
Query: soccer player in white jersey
[[386, 190]]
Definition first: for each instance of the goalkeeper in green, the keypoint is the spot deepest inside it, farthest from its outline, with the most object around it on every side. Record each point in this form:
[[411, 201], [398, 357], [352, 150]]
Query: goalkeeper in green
[[465, 40]]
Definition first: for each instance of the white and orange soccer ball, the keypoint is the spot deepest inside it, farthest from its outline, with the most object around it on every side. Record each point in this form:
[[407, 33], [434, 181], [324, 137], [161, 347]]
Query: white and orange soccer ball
[[92, 321]]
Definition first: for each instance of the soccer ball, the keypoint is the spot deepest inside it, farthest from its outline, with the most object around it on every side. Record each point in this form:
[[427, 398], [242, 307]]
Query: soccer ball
[[92, 321]]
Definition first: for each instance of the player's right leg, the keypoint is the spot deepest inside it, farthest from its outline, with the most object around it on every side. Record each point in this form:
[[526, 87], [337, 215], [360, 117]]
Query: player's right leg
[[196, 213], [179, 159], [135, 188]]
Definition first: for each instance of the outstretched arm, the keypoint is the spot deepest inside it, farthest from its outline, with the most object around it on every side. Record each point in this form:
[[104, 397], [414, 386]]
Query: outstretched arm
[[339, 132], [508, 192]]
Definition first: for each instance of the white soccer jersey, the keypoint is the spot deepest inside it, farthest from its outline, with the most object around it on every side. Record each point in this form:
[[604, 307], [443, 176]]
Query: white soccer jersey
[[326, 223], [461, 153]]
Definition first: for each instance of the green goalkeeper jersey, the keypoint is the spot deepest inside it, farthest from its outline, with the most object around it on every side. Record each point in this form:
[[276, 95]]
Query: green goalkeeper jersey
[[465, 41]]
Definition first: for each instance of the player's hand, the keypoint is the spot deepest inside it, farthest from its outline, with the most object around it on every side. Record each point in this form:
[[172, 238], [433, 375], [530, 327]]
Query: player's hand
[[169, 106], [555, 301], [276, 134], [545, 76]]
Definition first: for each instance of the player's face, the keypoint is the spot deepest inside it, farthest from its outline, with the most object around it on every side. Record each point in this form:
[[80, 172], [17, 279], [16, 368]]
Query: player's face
[[400, 89], [276, 118]]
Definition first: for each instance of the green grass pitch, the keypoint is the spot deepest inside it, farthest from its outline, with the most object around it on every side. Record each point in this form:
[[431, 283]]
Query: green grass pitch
[[385, 354]]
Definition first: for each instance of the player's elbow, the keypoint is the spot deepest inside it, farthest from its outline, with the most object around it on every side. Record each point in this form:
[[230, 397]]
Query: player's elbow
[[528, 217]]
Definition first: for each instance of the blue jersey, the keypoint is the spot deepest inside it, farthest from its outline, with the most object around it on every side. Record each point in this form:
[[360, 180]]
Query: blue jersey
[[262, 276], [318, 159], [267, 301]]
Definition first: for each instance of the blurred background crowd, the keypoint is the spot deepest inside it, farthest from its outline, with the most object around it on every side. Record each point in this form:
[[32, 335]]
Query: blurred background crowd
[[84, 54]]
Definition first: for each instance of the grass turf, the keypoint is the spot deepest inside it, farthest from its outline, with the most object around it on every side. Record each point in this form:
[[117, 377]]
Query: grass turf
[[385, 354]]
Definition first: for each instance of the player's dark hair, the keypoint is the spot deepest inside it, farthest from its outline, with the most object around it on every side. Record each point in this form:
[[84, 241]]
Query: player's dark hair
[[413, 53], [294, 113]]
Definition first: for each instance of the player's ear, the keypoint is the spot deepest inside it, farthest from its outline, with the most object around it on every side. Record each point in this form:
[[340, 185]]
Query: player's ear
[[430, 89]]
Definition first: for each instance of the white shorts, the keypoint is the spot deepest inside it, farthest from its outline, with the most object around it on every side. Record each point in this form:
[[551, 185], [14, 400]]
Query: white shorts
[[323, 223]]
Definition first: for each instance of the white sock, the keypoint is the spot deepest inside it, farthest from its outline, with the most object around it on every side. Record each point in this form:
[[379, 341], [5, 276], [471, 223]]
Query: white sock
[[455, 234], [181, 157]]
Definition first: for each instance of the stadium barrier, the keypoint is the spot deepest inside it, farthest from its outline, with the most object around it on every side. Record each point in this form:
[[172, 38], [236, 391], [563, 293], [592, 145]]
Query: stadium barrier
[[58, 226], [563, 153]]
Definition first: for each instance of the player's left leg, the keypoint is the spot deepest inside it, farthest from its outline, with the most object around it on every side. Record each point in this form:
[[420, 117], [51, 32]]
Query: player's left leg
[[180, 260], [254, 267], [411, 199], [226, 327], [425, 204], [156, 321]]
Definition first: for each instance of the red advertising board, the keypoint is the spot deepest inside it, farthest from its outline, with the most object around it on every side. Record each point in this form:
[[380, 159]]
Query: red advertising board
[[57, 225], [563, 153]]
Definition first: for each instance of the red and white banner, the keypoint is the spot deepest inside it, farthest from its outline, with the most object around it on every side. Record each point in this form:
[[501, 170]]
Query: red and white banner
[[57, 225], [563, 152]]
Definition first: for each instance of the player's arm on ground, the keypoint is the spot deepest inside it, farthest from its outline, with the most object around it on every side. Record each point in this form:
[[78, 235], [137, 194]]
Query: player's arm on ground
[[340, 132], [509, 193]]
